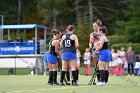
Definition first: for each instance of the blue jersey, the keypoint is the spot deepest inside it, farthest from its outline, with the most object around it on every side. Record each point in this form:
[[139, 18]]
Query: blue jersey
[[52, 48], [69, 45]]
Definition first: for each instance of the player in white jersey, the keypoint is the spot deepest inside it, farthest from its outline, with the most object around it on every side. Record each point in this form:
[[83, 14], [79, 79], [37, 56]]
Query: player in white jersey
[[113, 64], [87, 57]]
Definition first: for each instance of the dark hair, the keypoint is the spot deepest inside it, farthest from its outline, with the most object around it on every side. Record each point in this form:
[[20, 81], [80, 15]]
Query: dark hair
[[119, 56], [62, 34], [103, 29], [99, 22], [70, 27], [55, 31]]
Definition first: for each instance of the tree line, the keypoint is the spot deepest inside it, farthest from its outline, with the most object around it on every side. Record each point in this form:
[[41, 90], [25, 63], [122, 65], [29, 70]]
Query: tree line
[[121, 17]]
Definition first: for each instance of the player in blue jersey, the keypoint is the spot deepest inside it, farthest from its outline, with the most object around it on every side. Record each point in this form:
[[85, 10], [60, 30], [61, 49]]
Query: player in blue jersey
[[52, 56], [69, 43], [104, 55]]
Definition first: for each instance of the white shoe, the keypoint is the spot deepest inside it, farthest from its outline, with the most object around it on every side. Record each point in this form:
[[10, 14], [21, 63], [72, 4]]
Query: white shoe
[[106, 83], [78, 82], [132, 74], [100, 84]]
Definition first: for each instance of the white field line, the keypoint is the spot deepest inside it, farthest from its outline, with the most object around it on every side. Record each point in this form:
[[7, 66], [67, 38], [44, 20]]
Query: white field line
[[37, 90]]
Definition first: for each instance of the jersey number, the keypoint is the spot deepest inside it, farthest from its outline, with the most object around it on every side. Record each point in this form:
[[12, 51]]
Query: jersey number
[[67, 43]]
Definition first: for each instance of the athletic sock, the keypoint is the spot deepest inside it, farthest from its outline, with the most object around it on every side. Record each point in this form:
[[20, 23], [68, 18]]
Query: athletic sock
[[98, 75], [102, 74], [50, 77], [77, 75], [74, 74], [55, 76], [62, 76], [106, 75], [68, 75]]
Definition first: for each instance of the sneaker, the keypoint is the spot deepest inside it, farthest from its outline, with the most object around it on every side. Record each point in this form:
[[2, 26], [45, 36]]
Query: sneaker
[[128, 75], [55, 83], [100, 84], [50, 83], [132, 74], [75, 84], [78, 82], [106, 83], [62, 84], [68, 83]]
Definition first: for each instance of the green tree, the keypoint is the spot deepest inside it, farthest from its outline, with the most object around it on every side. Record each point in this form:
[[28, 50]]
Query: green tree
[[130, 26], [83, 32]]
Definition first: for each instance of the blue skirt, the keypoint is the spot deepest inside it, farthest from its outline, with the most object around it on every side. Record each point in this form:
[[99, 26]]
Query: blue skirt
[[45, 59], [110, 56], [52, 59], [105, 55], [68, 56]]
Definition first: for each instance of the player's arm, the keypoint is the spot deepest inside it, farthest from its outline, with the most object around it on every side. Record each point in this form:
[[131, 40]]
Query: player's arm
[[90, 41], [61, 42], [76, 42], [57, 44], [102, 40], [79, 54]]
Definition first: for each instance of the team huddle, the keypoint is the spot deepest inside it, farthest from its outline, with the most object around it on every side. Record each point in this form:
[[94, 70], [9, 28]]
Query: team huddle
[[65, 47]]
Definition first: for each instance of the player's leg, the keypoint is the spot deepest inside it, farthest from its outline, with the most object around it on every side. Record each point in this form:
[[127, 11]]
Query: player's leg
[[73, 65], [102, 71], [95, 59], [50, 81], [132, 69], [77, 70], [68, 75], [64, 69], [106, 72], [54, 70], [88, 67]]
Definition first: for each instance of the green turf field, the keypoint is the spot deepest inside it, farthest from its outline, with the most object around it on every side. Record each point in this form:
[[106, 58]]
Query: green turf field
[[38, 84]]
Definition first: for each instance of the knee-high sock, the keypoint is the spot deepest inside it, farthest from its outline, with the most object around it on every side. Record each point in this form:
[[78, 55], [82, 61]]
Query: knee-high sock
[[50, 77], [102, 74], [68, 75], [77, 75], [98, 75], [74, 74], [54, 76], [106, 75], [62, 76]]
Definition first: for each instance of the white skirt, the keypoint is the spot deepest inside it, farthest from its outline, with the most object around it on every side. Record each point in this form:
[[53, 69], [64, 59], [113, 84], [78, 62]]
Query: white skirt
[[87, 62], [113, 63], [120, 61], [78, 61]]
